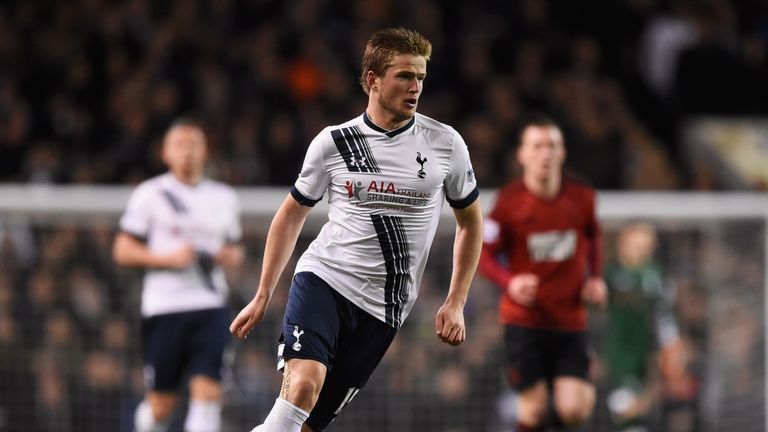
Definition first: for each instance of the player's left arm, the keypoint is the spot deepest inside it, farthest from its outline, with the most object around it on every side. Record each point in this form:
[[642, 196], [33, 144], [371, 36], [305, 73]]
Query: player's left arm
[[594, 290], [449, 322]]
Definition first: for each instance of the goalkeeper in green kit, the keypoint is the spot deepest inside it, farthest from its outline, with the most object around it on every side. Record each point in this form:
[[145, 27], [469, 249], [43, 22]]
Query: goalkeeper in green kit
[[640, 324]]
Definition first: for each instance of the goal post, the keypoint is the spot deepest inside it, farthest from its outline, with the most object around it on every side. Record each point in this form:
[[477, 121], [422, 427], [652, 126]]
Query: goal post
[[69, 317]]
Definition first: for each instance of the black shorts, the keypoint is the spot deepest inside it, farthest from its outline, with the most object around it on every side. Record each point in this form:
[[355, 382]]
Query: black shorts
[[534, 354], [320, 324], [182, 343]]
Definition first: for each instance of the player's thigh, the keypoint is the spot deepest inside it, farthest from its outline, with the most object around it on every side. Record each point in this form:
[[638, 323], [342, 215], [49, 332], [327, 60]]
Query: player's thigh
[[574, 394], [570, 351], [310, 328], [361, 348], [163, 339], [207, 337], [525, 364]]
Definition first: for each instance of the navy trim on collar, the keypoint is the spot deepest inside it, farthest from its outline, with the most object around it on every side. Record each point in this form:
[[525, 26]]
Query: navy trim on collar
[[391, 133]]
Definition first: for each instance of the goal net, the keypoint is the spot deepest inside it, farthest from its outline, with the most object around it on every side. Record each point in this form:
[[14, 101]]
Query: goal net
[[69, 339]]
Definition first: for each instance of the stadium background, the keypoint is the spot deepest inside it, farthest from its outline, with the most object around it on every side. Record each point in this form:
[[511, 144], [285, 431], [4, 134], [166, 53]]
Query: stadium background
[[654, 95]]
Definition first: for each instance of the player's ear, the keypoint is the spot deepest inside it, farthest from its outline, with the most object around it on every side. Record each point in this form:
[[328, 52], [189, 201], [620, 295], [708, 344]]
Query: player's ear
[[372, 80]]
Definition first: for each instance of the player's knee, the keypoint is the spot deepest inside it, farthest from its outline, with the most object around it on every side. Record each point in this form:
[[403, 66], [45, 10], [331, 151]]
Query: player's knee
[[533, 414], [533, 404], [304, 390], [204, 388], [573, 412]]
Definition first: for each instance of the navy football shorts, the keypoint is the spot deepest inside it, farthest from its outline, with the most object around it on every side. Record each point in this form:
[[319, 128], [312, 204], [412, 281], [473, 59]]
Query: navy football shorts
[[320, 324], [182, 343], [534, 354]]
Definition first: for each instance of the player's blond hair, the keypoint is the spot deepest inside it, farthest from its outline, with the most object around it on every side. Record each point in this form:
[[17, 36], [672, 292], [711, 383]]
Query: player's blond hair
[[385, 44]]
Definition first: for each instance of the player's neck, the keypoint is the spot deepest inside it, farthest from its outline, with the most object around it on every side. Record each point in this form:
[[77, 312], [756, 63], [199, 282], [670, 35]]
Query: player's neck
[[546, 187], [383, 119], [189, 179]]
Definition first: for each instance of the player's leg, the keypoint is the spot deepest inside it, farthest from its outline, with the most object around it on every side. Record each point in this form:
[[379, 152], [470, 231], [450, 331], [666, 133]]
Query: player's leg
[[573, 393], [307, 348], [532, 405], [163, 367], [204, 411], [574, 400], [154, 413], [302, 381], [527, 375], [207, 338], [363, 341]]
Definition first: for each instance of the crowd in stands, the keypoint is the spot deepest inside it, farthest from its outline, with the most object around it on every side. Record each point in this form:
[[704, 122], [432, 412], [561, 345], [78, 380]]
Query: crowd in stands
[[88, 86]]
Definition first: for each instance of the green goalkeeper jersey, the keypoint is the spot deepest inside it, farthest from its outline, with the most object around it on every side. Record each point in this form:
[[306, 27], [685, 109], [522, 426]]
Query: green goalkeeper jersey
[[639, 313]]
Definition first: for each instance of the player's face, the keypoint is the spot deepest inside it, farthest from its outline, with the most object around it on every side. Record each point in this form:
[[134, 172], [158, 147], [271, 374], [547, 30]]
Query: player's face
[[400, 87], [637, 244], [541, 151], [184, 152]]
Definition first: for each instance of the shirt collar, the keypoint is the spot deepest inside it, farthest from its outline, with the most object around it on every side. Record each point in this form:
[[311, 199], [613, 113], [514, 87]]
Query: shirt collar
[[389, 133]]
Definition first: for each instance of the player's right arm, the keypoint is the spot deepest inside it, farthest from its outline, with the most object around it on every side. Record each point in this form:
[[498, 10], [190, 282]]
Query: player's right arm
[[131, 252], [281, 240], [522, 288], [135, 224]]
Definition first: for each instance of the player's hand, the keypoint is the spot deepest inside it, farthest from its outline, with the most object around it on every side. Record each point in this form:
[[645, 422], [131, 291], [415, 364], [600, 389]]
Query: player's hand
[[449, 323], [522, 288], [595, 292], [230, 256], [247, 319], [180, 258]]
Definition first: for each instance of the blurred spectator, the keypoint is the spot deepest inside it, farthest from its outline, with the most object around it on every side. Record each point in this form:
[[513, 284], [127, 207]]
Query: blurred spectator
[[98, 400], [52, 394], [18, 393]]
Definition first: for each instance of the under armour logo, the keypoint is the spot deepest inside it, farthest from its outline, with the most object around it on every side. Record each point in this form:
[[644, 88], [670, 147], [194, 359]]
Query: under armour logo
[[421, 173], [359, 162], [297, 334]]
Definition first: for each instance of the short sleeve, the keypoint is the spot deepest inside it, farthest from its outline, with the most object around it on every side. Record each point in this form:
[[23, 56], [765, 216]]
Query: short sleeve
[[313, 178], [137, 217], [235, 230], [460, 184]]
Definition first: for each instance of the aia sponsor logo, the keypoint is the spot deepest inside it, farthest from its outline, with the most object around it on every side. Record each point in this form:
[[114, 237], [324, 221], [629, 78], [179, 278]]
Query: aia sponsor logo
[[386, 195], [355, 187]]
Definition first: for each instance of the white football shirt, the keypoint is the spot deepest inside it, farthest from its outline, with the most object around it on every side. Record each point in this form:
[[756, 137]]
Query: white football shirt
[[385, 193], [166, 214]]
